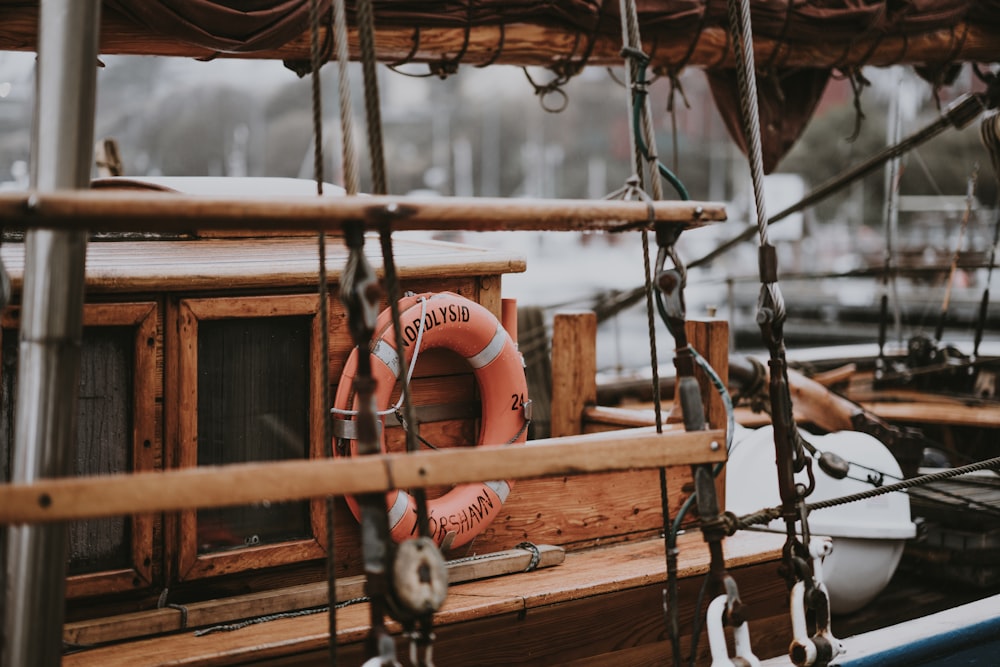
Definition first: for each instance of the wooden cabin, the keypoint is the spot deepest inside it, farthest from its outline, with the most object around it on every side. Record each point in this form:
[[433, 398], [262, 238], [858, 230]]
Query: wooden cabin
[[203, 351]]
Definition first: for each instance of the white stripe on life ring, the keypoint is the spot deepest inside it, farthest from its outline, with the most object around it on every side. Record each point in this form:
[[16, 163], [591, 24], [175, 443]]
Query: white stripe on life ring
[[387, 355], [492, 349], [501, 488], [398, 509]]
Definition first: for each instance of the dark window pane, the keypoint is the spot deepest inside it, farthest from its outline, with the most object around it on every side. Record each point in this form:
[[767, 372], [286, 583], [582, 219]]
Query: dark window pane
[[253, 405], [104, 424]]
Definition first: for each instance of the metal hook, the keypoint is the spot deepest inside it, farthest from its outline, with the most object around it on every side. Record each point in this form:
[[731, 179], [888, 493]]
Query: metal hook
[[717, 638], [822, 647]]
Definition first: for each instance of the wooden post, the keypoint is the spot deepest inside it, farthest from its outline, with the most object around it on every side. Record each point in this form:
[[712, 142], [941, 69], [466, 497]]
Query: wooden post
[[710, 337], [574, 370]]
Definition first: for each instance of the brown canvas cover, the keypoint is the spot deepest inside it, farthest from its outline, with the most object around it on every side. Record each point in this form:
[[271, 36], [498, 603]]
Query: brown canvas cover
[[247, 25], [787, 97]]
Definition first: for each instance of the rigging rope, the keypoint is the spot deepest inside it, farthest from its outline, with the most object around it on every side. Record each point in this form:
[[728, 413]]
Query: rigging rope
[[643, 145], [990, 136], [324, 318], [765, 516], [958, 115], [770, 304], [422, 636], [358, 290], [788, 444], [970, 194]]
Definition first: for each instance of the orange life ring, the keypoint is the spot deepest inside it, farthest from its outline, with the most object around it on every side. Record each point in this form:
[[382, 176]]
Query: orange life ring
[[446, 320]]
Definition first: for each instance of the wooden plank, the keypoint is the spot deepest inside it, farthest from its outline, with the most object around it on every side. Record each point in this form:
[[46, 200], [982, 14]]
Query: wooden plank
[[574, 368], [924, 412], [239, 484], [597, 601], [109, 210], [305, 596], [603, 418], [710, 337], [529, 44], [266, 264], [586, 510]]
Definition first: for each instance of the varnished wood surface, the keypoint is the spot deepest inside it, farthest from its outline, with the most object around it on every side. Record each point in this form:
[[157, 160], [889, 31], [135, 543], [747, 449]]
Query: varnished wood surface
[[169, 619], [574, 365], [586, 587], [933, 412], [265, 263], [238, 484], [531, 44], [124, 210]]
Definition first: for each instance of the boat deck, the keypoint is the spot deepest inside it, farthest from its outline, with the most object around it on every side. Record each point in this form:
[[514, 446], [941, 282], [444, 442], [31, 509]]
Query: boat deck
[[479, 619]]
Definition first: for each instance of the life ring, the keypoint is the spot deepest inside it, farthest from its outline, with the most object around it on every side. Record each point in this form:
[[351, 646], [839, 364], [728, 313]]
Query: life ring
[[445, 320]]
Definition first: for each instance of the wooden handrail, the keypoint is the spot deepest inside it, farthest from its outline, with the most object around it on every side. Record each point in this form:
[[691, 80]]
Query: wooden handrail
[[106, 210], [241, 484]]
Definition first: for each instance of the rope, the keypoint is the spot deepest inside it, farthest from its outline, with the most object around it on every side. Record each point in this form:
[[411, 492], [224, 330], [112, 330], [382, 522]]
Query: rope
[[317, 125], [988, 132], [361, 315], [765, 516], [257, 620], [366, 42], [536, 555], [161, 603], [373, 114], [989, 464], [348, 151], [639, 108], [949, 284]]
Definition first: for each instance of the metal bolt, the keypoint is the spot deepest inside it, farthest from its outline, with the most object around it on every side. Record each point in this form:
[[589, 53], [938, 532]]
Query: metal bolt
[[714, 446]]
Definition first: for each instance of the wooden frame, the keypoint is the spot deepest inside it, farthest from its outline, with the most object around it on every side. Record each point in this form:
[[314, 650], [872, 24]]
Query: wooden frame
[[189, 312], [146, 444]]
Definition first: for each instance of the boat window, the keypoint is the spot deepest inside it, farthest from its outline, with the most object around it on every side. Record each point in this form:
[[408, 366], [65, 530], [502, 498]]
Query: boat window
[[104, 422], [253, 405], [103, 426]]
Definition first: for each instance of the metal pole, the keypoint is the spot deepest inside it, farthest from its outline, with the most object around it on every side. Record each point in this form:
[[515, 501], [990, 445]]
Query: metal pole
[[51, 328]]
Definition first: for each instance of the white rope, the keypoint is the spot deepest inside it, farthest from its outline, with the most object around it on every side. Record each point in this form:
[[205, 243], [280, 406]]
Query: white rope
[[409, 370]]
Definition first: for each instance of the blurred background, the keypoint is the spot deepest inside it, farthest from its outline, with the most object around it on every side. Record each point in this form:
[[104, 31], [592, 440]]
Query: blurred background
[[484, 132]]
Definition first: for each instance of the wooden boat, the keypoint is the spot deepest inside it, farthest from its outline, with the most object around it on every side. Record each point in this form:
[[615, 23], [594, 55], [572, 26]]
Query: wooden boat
[[223, 555]]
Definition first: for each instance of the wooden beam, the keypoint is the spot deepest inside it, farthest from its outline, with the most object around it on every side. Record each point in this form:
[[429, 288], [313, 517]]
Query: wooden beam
[[108, 210], [574, 368], [925, 412], [241, 484], [545, 45], [305, 596]]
